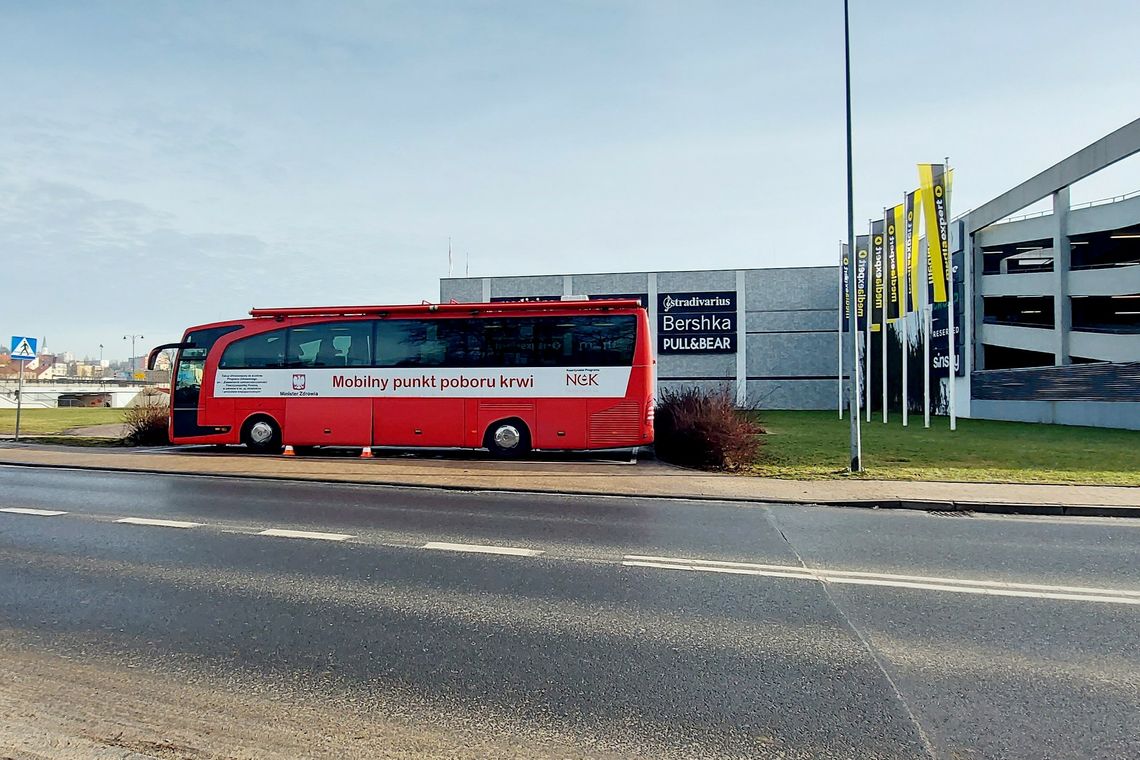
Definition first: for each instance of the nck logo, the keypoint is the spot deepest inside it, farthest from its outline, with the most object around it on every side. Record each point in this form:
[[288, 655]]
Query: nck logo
[[299, 382]]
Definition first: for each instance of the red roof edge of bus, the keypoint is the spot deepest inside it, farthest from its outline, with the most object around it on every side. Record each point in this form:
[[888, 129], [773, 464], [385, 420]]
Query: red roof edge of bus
[[448, 308]]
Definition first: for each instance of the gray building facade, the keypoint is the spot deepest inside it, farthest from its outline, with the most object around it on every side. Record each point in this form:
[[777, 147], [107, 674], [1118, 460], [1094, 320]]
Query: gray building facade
[[769, 334]]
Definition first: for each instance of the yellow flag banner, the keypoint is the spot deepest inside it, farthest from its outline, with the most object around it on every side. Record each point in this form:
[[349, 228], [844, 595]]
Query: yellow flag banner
[[896, 285], [913, 211], [936, 210]]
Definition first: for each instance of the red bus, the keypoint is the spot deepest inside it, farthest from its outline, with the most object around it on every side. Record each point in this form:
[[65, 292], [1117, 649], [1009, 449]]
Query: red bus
[[508, 377]]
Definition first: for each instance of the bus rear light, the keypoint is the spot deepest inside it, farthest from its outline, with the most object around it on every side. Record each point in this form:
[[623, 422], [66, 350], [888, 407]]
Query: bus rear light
[[649, 412]]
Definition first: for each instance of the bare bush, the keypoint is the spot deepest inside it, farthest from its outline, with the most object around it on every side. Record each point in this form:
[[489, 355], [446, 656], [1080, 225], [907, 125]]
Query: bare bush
[[704, 429], [146, 425]]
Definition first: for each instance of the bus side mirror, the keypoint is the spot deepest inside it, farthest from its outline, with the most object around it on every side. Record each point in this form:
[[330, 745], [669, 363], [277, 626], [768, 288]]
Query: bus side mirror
[[154, 352]]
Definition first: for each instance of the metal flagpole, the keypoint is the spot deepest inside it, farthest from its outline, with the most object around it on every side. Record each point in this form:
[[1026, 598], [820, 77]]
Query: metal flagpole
[[867, 350], [843, 254], [924, 261], [869, 310], [904, 317], [883, 327], [951, 372], [856, 440]]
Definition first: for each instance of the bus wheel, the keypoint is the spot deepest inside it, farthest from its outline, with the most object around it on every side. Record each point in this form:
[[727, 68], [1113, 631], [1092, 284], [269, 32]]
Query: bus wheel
[[508, 439], [261, 435]]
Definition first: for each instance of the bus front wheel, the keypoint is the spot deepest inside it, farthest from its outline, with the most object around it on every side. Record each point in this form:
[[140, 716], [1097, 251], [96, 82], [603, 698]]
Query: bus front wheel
[[508, 439], [261, 435]]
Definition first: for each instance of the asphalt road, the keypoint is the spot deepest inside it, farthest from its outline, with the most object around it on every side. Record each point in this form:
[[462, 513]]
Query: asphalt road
[[410, 623]]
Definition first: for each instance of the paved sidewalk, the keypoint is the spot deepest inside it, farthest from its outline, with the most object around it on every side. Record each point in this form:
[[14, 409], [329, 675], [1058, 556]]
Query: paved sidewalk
[[106, 430], [646, 478]]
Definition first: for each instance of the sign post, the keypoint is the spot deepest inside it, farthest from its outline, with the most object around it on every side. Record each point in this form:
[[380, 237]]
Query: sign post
[[19, 400], [23, 351]]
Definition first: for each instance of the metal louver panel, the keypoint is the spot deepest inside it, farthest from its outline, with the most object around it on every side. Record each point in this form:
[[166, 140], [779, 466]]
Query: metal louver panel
[[1075, 382], [617, 425]]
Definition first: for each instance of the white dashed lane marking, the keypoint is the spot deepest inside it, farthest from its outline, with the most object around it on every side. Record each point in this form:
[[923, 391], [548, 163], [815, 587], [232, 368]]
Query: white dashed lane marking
[[852, 577], [481, 549], [281, 533], [37, 512], [159, 523]]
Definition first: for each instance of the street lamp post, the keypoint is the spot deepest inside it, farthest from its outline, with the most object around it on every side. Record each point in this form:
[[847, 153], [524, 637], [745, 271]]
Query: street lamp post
[[856, 440], [132, 339]]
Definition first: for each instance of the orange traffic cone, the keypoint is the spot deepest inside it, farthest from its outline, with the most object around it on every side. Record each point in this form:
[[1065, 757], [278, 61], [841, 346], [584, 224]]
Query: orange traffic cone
[[366, 452], [289, 452]]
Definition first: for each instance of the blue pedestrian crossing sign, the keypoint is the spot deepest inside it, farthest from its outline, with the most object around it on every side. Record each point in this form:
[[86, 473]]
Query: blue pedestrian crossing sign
[[23, 348]]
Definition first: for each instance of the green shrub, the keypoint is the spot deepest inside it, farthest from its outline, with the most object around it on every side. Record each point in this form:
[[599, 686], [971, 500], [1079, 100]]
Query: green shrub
[[704, 429]]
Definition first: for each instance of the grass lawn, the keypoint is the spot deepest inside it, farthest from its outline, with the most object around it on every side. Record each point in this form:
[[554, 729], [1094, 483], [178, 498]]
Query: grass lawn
[[55, 421], [815, 445]]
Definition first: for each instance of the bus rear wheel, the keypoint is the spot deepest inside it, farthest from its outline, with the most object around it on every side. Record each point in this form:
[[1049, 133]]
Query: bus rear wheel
[[508, 439], [261, 435]]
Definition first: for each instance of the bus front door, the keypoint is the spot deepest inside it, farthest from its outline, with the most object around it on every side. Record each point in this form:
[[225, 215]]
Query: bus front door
[[191, 364]]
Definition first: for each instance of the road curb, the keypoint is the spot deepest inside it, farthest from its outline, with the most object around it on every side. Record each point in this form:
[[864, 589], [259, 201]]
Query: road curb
[[1001, 508], [922, 505]]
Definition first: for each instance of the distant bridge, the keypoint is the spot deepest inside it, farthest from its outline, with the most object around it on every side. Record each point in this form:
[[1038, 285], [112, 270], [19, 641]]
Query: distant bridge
[[47, 394]]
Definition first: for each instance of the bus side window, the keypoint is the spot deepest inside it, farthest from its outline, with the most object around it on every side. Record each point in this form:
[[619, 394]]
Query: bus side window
[[512, 342], [464, 343], [358, 351], [397, 343], [553, 341], [433, 348], [332, 344], [263, 351]]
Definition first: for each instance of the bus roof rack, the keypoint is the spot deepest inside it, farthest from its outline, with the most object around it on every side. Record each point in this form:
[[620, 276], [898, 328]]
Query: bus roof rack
[[446, 308]]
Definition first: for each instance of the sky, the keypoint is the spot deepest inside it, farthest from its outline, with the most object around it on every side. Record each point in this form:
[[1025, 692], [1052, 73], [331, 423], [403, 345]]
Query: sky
[[167, 164]]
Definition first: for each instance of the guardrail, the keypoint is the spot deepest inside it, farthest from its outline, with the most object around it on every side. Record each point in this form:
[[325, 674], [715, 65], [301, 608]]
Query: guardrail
[[1073, 207], [82, 381]]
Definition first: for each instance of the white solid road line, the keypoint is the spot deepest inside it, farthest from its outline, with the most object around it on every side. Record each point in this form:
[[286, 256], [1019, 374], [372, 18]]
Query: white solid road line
[[480, 549], [1110, 596], [851, 577], [159, 523], [305, 534], [804, 575], [37, 512]]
